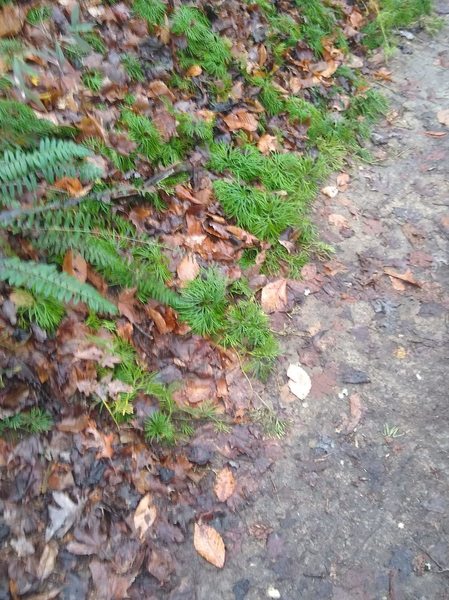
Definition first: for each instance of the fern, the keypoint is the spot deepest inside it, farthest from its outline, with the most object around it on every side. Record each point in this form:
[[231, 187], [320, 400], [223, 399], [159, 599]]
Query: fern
[[47, 281], [20, 170]]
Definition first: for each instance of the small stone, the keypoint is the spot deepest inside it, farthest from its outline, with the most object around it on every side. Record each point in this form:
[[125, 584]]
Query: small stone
[[354, 376], [378, 140], [408, 35], [241, 588], [272, 592]]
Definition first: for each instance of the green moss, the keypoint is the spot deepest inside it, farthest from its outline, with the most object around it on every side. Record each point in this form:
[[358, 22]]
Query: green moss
[[153, 11], [133, 68], [93, 80]]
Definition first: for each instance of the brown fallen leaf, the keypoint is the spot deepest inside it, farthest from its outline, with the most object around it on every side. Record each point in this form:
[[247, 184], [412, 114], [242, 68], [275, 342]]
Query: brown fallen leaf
[[194, 71], [101, 441], [408, 276], [188, 268], [443, 116], [224, 484], [330, 191], [11, 20], [241, 119], [267, 143], [72, 185], [127, 305], [47, 560], [274, 296], [73, 425], [75, 265], [209, 544], [338, 220], [159, 88], [145, 516]]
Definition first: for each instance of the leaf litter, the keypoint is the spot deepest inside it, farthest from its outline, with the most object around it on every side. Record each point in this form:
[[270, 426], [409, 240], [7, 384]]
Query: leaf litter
[[104, 493]]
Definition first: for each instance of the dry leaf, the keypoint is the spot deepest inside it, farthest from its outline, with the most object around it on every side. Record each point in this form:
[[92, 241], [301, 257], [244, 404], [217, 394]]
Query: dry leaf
[[73, 425], [101, 440], [145, 516], [72, 185], [241, 119], [300, 383], [75, 265], [188, 268], [209, 544], [127, 305], [408, 276], [158, 88], [194, 71], [262, 55], [224, 484], [443, 117], [11, 20], [274, 296], [343, 181], [267, 143], [338, 220], [330, 190], [48, 560]]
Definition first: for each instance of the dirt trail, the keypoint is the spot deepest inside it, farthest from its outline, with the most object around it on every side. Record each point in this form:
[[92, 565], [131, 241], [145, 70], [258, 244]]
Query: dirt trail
[[349, 513]]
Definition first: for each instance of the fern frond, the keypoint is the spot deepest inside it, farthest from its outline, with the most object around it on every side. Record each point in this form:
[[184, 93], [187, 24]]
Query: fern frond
[[21, 170], [47, 281]]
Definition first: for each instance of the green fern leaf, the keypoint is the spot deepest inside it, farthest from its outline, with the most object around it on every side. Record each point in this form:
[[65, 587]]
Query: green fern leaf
[[47, 281]]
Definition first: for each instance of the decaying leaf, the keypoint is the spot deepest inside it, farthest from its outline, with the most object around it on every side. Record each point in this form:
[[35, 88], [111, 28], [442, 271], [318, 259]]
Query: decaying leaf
[[443, 116], [62, 518], [209, 544], [274, 296], [188, 268], [224, 484], [408, 276], [75, 265], [47, 560], [241, 119], [11, 20], [268, 143], [299, 383], [144, 516]]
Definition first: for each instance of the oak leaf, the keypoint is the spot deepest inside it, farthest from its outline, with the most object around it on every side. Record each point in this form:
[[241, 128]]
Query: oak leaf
[[241, 119]]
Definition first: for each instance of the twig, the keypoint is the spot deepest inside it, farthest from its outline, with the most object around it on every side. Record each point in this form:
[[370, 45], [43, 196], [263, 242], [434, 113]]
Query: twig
[[9, 215], [440, 567]]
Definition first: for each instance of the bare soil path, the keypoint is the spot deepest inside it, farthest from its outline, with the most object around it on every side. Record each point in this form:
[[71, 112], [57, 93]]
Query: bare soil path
[[358, 506]]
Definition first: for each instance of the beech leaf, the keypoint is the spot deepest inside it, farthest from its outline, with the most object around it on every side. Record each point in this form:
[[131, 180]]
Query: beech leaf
[[209, 544]]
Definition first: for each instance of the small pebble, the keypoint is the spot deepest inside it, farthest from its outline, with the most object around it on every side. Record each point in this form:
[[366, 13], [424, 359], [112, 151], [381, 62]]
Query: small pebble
[[272, 592]]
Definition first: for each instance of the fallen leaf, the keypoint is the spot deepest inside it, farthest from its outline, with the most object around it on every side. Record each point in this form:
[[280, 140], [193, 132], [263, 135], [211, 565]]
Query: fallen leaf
[[338, 220], [267, 143], [209, 544], [145, 516], [224, 484], [73, 425], [274, 296], [11, 20], [407, 276], [127, 305], [158, 88], [188, 268], [62, 518], [108, 585], [300, 383], [241, 119], [330, 191], [101, 440], [71, 185], [194, 71], [160, 564], [443, 117], [75, 265], [343, 181], [47, 560]]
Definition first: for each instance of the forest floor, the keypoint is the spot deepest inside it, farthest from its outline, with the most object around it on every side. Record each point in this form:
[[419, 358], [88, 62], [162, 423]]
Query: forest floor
[[357, 506], [352, 503]]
